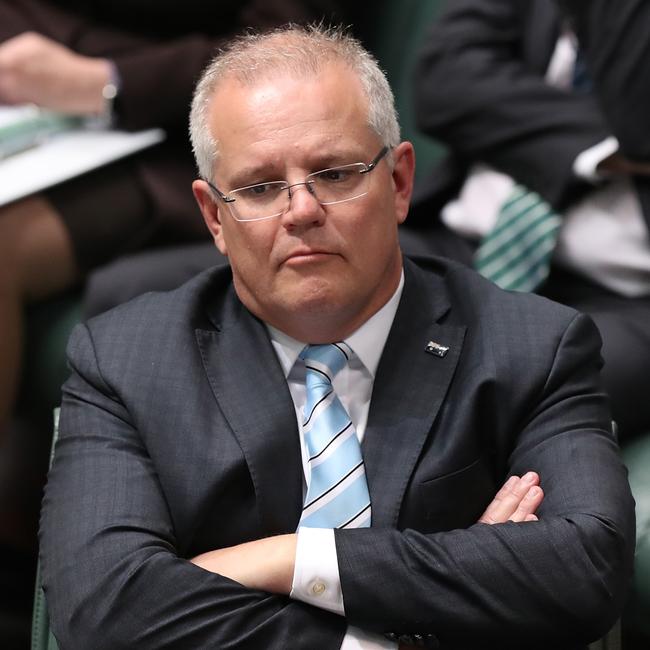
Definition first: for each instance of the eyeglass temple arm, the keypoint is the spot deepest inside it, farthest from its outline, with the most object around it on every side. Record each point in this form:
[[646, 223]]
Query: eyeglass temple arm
[[373, 163], [222, 196]]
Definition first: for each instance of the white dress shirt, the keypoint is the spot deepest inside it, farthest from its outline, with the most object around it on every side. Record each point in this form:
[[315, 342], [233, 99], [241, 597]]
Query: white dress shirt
[[603, 236], [316, 576]]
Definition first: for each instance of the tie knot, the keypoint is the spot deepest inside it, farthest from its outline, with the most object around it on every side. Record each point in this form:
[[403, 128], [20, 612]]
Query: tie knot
[[326, 359]]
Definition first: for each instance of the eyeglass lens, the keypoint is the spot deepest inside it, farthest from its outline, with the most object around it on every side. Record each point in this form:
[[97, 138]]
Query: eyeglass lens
[[328, 186]]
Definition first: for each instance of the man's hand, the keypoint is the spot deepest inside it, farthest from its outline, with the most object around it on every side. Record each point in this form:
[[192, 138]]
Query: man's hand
[[35, 69], [265, 564], [517, 500]]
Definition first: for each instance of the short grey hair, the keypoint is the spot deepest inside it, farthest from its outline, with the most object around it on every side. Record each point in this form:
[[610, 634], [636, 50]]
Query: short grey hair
[[299, 51]]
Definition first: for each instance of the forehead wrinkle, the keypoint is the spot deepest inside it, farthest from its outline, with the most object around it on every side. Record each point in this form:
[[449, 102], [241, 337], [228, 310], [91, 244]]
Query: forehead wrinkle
[[271, 101], [303, 160], [262, 136], [321, 135]]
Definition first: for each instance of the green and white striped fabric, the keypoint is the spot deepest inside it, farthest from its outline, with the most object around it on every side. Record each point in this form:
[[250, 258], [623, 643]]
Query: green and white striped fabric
[[516, 253]]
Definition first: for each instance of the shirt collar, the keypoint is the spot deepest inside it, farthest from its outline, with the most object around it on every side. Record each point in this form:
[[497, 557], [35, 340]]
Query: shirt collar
[[367, 342]]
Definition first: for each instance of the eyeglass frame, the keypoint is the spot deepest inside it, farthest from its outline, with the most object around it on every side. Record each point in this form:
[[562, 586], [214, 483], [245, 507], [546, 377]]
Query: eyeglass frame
[[229, 199]]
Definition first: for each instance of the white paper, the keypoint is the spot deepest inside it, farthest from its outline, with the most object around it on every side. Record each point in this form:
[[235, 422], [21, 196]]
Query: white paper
[[10, 115], [66, 155]]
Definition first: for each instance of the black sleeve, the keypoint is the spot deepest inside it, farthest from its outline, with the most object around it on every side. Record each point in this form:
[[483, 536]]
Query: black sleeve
[[476, 93], [614, 36]]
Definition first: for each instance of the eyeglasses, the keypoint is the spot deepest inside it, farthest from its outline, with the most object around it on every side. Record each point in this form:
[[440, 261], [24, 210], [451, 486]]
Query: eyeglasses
[[272, 199]]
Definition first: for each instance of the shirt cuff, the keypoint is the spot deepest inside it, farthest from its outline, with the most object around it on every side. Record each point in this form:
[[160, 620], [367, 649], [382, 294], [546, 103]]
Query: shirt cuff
[[586, 163], [357, 639], [316, 578]]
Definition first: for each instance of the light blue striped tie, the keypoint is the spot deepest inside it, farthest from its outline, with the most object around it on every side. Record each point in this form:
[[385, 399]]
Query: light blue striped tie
[[516, 253], [337, 495]]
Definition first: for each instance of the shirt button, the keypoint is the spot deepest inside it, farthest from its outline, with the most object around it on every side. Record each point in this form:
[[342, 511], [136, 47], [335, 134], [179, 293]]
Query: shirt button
[[318, 589]]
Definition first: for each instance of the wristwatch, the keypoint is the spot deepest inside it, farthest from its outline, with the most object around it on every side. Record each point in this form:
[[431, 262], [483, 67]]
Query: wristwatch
[[110, 91]]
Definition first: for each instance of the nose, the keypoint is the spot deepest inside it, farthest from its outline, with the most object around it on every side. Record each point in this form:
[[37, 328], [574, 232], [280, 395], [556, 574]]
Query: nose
[[304, 207]]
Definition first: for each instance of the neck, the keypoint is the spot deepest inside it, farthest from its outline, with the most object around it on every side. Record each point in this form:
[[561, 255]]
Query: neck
[[319, 327], [325, 313]]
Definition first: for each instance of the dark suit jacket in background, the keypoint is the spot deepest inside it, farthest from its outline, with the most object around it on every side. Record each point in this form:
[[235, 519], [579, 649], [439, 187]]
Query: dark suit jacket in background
[[480, 89], [617, 49], [616, 44], [179, 435]]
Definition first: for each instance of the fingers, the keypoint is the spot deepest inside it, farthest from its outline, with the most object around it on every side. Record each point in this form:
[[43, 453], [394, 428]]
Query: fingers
[[22, 59], [528, 505], [36, 69], [517, 500]]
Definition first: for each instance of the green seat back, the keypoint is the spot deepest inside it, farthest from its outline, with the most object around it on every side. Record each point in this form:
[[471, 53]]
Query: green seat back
[[48, 326], [636, 456], [394, 34], [42, 637]]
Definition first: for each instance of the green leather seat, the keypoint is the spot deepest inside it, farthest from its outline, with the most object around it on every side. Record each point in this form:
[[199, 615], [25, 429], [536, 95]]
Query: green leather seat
[[48, 326], [637, 458], [42, 637], [394, 33]]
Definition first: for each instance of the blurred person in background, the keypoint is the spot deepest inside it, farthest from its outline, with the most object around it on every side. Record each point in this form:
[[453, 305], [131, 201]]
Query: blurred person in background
[[132, 63], [72, 56], [503, 84]]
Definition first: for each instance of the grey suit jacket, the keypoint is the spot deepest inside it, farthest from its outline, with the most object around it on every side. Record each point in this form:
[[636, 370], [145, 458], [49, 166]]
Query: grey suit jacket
[[178, 435]]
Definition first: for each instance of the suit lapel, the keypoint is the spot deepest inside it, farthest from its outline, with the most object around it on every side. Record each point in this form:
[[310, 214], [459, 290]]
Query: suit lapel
[[409, 390], [253, 395]]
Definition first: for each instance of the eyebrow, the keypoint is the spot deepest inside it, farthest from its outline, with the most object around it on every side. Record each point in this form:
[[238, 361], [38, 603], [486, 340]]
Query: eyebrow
[[265, 173]]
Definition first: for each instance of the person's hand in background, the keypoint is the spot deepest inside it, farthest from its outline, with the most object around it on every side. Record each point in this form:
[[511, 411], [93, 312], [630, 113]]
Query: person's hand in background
[[35, 69]]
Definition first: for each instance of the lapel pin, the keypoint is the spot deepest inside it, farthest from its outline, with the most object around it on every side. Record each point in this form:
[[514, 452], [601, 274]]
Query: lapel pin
[[437, 349]]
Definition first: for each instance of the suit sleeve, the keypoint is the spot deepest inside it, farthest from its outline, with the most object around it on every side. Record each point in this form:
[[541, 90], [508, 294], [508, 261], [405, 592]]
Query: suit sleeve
[[515, 584], [111, 571], [476, 92], [615, 39]]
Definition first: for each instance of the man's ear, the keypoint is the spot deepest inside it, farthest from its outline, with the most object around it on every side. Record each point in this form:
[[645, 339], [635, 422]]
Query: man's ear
[[211, 211], [403, 174]]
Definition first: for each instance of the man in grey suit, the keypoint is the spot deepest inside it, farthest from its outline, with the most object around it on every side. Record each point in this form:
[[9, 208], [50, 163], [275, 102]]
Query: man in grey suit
[[185, 462]]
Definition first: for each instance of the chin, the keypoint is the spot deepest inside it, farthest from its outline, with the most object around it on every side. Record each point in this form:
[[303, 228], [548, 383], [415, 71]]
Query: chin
[[317, 302]]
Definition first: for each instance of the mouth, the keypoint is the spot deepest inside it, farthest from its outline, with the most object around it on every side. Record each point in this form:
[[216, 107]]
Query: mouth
[[307, 256]]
